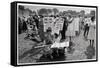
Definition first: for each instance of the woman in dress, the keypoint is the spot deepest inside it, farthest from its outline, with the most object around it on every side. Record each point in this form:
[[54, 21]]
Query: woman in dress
[[91, 34], [70, 32], [76, 21]]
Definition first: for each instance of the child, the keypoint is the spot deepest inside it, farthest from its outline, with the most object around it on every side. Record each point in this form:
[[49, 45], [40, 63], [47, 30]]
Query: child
[[86, 27], [55, 46], [86, 30], [29, 31], [58, 48], [48, 36]]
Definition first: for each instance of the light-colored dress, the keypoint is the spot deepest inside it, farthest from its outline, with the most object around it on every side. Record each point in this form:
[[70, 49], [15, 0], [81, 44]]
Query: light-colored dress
[[76, 20], [92, 31], [71, 29]]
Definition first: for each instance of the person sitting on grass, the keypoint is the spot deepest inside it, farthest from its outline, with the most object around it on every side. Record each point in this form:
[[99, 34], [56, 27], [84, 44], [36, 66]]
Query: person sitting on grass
[[48, 36], [32, 33], [58, 48]]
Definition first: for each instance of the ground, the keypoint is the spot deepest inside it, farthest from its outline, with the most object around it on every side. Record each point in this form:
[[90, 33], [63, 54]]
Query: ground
[[80, 45]]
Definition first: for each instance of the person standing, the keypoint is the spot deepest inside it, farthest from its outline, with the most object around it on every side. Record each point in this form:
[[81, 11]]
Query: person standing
[[71, 29], [24, 26], [70, 32], [41, 28], [86, 27], [63, 31], [86, 30], [19, 25], [92, 31], [36, 19], [76, 20]]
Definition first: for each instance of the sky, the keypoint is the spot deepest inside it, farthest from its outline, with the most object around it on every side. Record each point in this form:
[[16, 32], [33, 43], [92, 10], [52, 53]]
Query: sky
[[36, 7]]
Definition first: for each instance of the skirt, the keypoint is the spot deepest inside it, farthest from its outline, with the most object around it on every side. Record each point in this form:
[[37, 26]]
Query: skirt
[[91, 34]]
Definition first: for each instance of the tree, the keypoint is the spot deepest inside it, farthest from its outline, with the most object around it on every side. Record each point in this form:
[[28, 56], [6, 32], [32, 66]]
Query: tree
[[21, 7], [61, 13], [55, 10], [49, 10], [34, 12], [82, 12], [27, 9], [64, 13], [42, 11], [92, 13]]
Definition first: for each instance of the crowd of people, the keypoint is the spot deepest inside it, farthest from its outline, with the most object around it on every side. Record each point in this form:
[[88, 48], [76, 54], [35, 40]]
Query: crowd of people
[[71, 26]]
